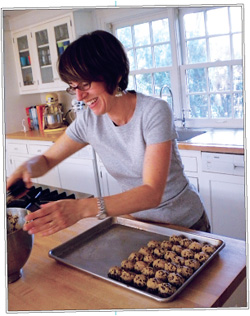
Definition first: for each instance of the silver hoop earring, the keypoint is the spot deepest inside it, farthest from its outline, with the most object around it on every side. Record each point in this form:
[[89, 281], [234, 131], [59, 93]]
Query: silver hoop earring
[[118, 92]]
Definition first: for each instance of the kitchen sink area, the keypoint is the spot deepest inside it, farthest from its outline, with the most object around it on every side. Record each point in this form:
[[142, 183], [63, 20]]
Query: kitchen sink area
[[185, 134]]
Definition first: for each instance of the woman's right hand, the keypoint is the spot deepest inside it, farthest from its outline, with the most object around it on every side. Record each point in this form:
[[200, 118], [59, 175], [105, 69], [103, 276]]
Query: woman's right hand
[[20, 173]]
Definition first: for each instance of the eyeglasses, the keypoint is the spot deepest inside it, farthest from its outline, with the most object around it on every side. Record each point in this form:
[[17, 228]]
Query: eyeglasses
[[84, 86]]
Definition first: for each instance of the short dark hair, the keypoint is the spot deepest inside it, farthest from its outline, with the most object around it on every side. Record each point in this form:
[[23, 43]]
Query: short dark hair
[[96, 56]]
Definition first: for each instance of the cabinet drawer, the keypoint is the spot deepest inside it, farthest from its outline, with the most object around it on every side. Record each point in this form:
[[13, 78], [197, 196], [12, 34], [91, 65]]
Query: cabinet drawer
[[190, 164], [223, 163], [17, 148], [37, 149]]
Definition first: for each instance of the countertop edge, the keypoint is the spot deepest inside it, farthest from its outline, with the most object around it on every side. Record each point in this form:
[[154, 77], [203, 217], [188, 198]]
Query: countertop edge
[[185, 145], [226, 149]]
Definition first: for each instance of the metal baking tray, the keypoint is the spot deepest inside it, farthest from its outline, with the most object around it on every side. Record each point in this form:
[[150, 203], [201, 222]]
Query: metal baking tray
[[96, 250]]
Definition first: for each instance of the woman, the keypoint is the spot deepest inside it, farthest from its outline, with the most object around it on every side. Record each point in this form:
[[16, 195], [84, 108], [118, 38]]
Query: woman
[[133, 134]]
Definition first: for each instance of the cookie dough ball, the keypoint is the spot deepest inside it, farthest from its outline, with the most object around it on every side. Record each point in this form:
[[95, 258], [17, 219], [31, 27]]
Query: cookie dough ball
[[209, 249], [127, 265], [127, 277], [153, 244], [140, 281], [139, 266], [148, 271], [185, 242], [170, 267], [177, 248], [145, 251], [179, 260], [201, 256], [159, 252], [149, 259], [166, 289], [152, 285], [167, 244], [187, 254], [175, 279], [192, 263], [162, 275], [195, 246], [115, 273], [159, 264], [135, 256], [185, 271], [176, 239], [169, 255]]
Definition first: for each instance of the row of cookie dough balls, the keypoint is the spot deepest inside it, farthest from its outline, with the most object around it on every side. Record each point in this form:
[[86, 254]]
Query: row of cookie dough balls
[[154, 285], [162, 267]]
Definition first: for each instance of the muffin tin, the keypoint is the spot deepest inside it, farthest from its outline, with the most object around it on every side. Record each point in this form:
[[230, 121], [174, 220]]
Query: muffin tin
[[113, 240]]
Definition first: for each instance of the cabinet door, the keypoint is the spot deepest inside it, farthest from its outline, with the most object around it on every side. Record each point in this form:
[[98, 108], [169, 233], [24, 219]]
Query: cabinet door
[[226, 197], [62, 33], [46, 74], [51, 178], [109, 185], [51, 40], [79, 175], [25, 62]]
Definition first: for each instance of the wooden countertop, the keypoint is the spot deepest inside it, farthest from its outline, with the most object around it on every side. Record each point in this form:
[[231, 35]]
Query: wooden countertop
[[214, 140], [49, 135], [217, 140], [49, 285]]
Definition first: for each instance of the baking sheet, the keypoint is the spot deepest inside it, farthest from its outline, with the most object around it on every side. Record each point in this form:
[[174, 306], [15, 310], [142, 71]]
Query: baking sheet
[[96, 250]]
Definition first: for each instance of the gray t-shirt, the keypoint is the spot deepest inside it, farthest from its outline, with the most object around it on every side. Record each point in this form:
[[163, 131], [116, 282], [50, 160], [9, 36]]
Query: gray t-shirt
[[122, 149]]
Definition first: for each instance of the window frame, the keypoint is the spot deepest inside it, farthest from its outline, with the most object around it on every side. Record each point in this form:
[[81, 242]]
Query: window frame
[[174, 70], [111, 20], [207, 122]]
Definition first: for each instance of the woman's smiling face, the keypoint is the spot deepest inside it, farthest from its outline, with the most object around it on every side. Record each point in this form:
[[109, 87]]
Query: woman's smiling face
[[96, 97]]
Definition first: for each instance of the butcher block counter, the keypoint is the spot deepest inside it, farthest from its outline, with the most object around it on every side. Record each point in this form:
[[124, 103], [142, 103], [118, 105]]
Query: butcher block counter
[[214, 140], [49, 285]]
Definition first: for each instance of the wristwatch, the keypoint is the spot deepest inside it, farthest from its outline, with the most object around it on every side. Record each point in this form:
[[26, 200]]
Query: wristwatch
[[102, 212]]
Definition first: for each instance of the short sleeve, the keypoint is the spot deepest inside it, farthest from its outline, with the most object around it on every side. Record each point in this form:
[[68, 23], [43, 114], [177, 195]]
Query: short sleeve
[[77, 130], [158, 122]]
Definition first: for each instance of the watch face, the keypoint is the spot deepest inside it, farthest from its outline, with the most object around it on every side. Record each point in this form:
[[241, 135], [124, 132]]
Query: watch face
[[102, 215]]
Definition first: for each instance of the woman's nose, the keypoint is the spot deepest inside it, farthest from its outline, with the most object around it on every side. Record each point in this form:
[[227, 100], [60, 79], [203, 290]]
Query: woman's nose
[[80, 95]]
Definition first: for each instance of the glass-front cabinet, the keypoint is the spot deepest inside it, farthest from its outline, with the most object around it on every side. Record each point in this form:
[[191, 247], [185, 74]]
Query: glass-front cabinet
[[37, 52], [24, 61]]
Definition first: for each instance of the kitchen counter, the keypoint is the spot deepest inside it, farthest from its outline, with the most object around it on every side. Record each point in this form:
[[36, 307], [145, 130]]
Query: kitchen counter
[[49, 285], [49, 135], [214, 140], [230, 141]]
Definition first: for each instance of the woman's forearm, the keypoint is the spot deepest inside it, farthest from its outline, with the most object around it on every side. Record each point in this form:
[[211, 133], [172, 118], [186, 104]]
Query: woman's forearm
[[37, 166], [137, 199]]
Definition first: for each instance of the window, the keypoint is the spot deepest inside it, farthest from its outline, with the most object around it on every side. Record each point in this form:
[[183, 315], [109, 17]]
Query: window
[[187, 50], [212, 71], [148, 48]]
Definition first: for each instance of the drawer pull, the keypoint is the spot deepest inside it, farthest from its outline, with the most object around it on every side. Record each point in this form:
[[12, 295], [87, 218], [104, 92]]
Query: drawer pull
[[238, 166]]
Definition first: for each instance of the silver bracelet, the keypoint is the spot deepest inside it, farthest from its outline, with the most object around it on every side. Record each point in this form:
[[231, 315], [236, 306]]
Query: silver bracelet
[[102, 212]]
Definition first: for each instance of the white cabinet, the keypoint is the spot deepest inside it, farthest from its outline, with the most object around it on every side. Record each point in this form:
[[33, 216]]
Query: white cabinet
[[219, 179], [18, 151], [76, 173], [108, 184], [36, 51], [191, 160], [223, 192], [79, 172]]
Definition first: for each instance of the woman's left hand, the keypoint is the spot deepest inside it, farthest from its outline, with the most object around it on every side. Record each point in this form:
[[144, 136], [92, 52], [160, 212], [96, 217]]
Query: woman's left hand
[[52, 217]]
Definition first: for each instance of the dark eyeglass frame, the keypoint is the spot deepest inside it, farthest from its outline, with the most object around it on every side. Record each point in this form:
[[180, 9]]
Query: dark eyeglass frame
[[84, 86]]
